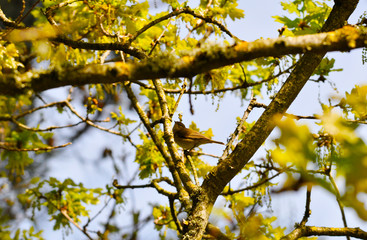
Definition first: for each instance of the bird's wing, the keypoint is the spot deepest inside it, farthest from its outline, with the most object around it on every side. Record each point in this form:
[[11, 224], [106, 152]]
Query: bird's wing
[[191, 134]]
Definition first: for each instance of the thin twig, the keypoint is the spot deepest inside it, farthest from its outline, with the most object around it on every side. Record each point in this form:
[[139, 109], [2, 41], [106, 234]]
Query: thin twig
[[298, 117], [340, 204], [214, 91], [174, 215], [183, 88], [89, 122], [188, 157], [307, 213], [125, 47], [29, 11], [19, 18], [97, 214], [238, 130], [190, 102], [25, 127], [204, 154], [65, 214], [5, 147], [152, 184], [158, 39], [230, 192], [110, 216]]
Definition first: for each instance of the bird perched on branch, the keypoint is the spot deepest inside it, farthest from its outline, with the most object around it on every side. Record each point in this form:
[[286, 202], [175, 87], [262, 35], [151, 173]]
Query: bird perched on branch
[[188, 138]]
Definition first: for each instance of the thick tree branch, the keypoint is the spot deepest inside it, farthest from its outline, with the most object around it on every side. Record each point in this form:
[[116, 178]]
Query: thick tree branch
[[203, 60], [305, 231]]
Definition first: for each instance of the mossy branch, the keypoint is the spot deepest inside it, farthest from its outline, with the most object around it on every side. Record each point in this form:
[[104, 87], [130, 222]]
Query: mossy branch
[[200, 61]]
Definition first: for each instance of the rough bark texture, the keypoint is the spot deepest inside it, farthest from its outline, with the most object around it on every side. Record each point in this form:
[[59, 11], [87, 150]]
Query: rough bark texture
[[306, 231], [202, 61], [220, 176]]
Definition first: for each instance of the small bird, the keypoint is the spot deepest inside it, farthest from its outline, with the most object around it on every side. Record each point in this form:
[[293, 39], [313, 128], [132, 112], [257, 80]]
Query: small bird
[[188, 138]]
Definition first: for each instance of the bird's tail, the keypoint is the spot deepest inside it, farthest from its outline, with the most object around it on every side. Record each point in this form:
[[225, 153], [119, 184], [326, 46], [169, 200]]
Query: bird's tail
[[217, 142]]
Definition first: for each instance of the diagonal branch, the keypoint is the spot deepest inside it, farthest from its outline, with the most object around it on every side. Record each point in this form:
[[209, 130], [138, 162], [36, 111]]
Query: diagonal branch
[[338, 199], [220, 175], [307, 213], [264, 126]]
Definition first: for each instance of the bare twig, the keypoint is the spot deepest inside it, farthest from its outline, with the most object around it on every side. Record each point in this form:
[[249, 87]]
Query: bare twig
[[89, 122], [245, 85], [230, 192], [188, 157], [190, 102], [153, 184], [110, 216], [298, 117], [338, 199], [204, 154], [183, 89], [29, 11], [307, 213], [65, 214], [158, 40], [238, 130], [25, 127], [97, 214], [21, 13], [50, 11], [57, 104], [174, 215]]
